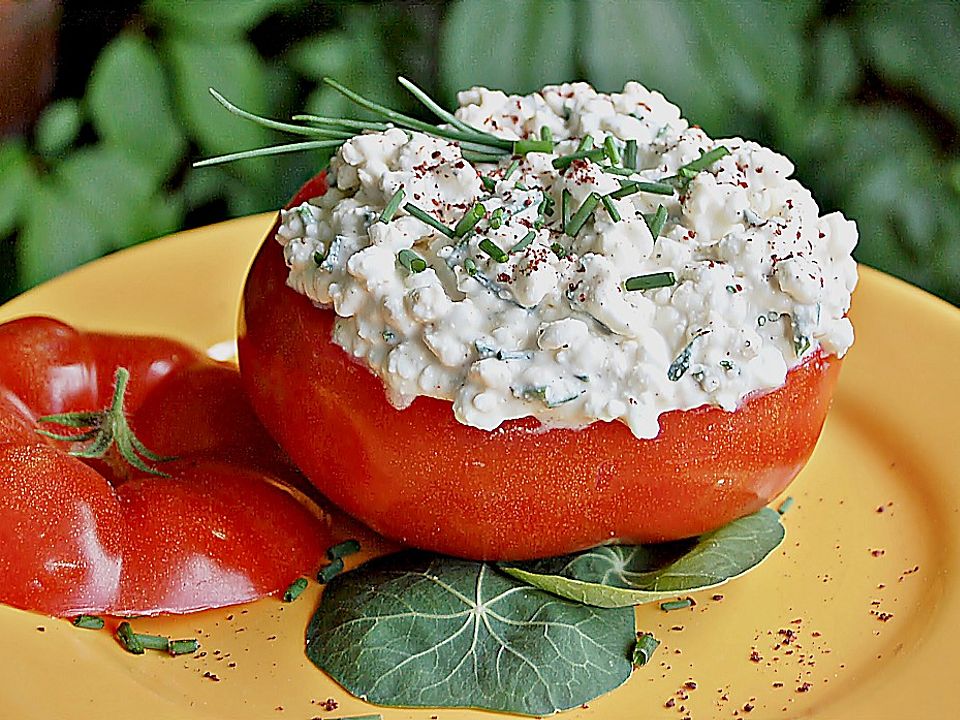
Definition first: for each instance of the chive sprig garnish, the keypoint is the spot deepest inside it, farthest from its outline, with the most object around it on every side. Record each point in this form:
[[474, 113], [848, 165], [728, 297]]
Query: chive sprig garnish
[[392, 206], [469, 220], [343, 549], [523, 242], [490, 248], [579, 218], [656, 221], [411, 261], [90, 622], [429, 219], [136, 643], [650, 281], [295, 589]]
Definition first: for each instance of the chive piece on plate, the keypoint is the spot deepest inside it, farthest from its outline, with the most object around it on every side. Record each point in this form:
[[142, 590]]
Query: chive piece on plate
[[153, 642], [785, 505], [342, 549], [328, 572], [643, 650], [183, 647], [295, 589], [90, 622], [676, 604], [128, 639]]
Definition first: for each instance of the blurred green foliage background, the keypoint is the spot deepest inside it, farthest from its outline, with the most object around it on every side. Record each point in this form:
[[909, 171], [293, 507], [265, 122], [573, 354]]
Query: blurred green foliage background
[[863, 97]]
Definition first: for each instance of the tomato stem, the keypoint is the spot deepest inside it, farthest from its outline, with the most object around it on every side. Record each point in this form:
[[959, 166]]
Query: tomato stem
[[106, 428]]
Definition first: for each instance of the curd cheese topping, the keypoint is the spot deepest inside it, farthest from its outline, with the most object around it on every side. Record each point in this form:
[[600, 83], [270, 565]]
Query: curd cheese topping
[[520, 307]]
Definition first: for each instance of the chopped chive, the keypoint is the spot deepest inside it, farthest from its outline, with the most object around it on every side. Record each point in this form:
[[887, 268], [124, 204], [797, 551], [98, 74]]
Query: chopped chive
[[329, 572], [580, 217], [511, 169], [496, 219], [565, 203], [295, 589], [785, 505], [522, 147], [470, 220], [392, 206], [558, 250], [643, 650], [343, 549], [656, 221], [610, 149], [90, 622], [128, 639], [523, 242], [520, 186], [153, 642], [705, 160], [586, 143], [563, 162], [630, 155], [546, 133], [470, 266], [619, 171], [676, 604], [183, 647], [493, 250], [477, 156], [411, 261], [611, 208], [488, 182], [429, 219], [657, 188], [650, 281]]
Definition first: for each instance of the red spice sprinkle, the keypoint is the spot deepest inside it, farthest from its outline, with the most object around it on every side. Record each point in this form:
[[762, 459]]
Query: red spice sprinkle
[[878, 552], [720, 597], [670, 703], [805, 687], [211, 676], [755, 657], [778, 684], [747, 707], [329, 705], [690, 685]]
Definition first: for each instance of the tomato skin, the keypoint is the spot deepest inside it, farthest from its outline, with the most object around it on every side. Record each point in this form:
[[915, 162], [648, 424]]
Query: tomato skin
[[420, 477], [102, 537]]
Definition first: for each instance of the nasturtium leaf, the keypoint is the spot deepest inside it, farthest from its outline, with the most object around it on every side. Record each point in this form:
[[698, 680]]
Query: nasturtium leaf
[[613, 576], [415, 629], [129, 102], [513, 45], [58, 127], [17, 181], [206, 18]]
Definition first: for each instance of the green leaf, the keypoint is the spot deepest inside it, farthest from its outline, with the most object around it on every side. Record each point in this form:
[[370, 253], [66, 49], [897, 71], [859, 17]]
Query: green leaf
[[129, 103], [206, 18], [835, 70], [58, 127], [47, 246], [916, 45], [514, 45], [235, 69], [622, 575], [419, 630], [18, 179]]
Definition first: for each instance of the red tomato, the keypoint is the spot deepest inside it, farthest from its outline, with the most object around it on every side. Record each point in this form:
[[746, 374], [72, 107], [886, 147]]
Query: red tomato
[[100, 536], [420, 477]]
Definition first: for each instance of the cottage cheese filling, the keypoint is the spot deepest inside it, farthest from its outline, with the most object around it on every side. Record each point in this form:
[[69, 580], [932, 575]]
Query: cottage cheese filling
[[542, 325]]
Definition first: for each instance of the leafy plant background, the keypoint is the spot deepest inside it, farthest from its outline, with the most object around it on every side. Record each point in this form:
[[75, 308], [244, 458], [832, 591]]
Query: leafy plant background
[[863, 97]]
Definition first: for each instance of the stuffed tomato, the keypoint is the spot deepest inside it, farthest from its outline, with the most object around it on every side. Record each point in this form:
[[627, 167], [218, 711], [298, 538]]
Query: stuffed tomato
[[627, 332]]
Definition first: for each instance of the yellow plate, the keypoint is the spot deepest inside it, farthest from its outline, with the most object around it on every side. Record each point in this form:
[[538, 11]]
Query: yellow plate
[[858, 615]]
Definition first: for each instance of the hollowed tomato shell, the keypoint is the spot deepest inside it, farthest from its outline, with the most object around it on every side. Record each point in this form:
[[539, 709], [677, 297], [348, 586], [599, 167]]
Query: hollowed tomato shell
[[419, 477]]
